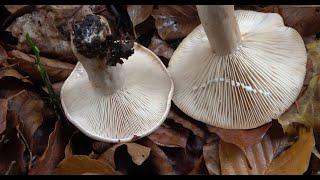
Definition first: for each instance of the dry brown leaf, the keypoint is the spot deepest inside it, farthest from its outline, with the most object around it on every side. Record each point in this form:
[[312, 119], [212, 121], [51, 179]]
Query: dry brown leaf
[[137, 152], [138, 14], [3, 55], [315, 165], [101, 147], [10, 72], [53, 154], [169, 137], [3, 115], [198, 167], [187, 123], [29, 109], [81, 164], [211, 158], [306, 20], [160, 162], [241, 138], [313, 50], [57, 70], [14, 8], [12, 148], [160, 47], [175, 21], [294, 160]]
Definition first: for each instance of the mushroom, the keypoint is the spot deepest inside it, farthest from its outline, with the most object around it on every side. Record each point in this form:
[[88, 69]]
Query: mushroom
[[111, 99], [237, 69]]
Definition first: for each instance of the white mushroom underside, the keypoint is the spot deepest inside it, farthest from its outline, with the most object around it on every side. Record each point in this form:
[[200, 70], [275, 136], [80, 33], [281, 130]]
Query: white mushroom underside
[[135, 110], [247, 88]]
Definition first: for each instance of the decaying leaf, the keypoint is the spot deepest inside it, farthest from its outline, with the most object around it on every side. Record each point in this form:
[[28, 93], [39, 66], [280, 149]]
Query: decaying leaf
[[137, 152], [211, 158], [160, 47], [10, 72], [81, 164], [57, 70], [160, 162], [294, 160], [3, 55], [241, 138], [138, 14], [3, 115], [306, 20], [198, 167], [12, 148], [175, 21], [14, 8], [29, 109], [187, 123], [53, 154], [169, 137]]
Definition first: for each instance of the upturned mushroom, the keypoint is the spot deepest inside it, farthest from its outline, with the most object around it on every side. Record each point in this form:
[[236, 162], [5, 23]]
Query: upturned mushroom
[[111, 98], [238, 69]]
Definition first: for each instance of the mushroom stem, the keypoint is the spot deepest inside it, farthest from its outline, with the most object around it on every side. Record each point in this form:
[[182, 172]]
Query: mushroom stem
[[105, 79], [221, 27]]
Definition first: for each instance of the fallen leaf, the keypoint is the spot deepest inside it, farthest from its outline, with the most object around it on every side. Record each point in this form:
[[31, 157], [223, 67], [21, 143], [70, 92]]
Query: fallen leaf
[[29, 108], [211, 158], [187, 123], [101, 147], [137, 152], [12, 148], [10, 72], [160, 162], [3, 115], [175, 21], [81, 164], [14, 8], [138, 14], [315, 165], [241, 138], [80, 144], [57, 70], [294, 160], [160, 47], [3, 55], [53, 154], [169, 137], [198, 167]]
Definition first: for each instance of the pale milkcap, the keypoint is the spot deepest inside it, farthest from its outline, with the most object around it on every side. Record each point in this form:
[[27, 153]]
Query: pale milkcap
[[238, 69], [137, 105]]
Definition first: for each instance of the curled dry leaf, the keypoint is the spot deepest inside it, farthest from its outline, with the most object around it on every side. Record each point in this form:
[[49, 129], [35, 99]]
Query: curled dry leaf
[[53, 154], [211, 158], [294, 160], [137, 152], [169, 137], [175, 21], [29, 109], [45, 29], [12, 148], [138, 14], [57, 70], [198, 167], [10, 72], [241, 138], [160, 161], [14, 8], [3, 115], [306, 20], [81, 164], [187, 123], [160, 47], [3, 55]]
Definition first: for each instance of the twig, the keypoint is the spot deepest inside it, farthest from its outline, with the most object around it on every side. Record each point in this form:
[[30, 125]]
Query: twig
[[44, 77]]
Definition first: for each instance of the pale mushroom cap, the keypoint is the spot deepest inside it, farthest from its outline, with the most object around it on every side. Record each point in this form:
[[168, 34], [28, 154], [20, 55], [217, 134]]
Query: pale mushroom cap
[[132, 112], [247, 88]]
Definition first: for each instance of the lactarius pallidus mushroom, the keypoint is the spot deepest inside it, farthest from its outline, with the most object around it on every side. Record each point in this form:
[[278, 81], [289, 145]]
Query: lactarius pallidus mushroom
[[110, 99], [238, 69]]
